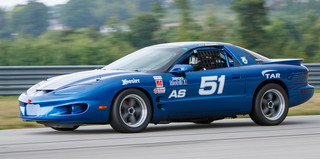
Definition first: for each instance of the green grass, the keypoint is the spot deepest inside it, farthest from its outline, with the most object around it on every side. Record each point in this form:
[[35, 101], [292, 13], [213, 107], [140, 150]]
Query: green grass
[[317, 91], [9, 114], [9, 111]]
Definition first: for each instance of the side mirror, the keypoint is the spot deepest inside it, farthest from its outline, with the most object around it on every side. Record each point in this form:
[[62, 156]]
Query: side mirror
[[180, 68]]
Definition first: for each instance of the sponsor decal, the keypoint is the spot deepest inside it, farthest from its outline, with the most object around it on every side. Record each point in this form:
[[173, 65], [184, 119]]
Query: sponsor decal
[[244, 60], [130, 81], [158, 80], [178, 94], [160, 90], [177, 81], [270, 74], [157, 77], [159, 83]]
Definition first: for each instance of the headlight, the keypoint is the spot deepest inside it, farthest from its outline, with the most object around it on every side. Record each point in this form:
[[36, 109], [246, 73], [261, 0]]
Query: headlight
[[72, 89]]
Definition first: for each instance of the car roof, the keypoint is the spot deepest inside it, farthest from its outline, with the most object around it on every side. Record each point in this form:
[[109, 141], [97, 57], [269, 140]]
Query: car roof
[[191, 45], [235, 51]]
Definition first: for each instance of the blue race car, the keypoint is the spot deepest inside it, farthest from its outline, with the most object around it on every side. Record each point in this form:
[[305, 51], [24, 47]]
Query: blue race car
[[175, 82]]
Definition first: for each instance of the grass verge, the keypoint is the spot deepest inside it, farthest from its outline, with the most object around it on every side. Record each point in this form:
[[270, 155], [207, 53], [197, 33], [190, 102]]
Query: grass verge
[[9, 114]]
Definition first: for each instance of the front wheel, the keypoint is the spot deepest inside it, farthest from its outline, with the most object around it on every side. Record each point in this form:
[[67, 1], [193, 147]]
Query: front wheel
[[270, 105], [131, 111]]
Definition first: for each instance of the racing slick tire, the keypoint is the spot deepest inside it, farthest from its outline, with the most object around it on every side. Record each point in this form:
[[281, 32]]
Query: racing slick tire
[[270, 105], [131, 111]]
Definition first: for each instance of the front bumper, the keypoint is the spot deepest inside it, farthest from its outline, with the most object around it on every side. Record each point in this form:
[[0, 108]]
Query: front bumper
[[64, 109]]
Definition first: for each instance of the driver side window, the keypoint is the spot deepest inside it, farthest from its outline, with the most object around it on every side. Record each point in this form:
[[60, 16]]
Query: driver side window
[[206, 59]]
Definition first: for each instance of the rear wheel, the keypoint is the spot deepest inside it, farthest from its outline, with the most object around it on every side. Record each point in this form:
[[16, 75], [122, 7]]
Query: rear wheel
[[270, 105], [131, 111]]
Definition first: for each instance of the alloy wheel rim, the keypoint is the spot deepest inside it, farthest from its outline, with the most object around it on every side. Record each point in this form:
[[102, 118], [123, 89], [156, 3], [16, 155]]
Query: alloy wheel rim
[[272, 104], [133, 110]]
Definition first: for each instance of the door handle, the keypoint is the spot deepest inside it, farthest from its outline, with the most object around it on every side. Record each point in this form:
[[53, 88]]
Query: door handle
[[235, 76]]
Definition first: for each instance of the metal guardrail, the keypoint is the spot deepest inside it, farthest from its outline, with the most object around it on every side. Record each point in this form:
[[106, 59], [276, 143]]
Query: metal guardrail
[[16, 79], [314, 74]]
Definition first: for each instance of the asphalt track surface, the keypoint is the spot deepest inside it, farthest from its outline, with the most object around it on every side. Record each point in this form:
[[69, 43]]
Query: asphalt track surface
[[296, 137]]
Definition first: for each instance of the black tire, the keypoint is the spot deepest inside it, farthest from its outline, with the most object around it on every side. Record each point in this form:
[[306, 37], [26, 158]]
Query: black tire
[[131, 111], [66, 129], [270, 106]]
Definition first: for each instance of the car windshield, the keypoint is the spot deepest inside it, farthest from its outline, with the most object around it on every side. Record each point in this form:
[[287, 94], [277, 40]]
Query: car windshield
[[148, 59]]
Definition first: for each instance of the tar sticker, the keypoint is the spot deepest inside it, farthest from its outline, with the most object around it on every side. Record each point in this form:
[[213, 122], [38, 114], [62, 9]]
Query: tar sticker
[[244, 60], [270, 74]]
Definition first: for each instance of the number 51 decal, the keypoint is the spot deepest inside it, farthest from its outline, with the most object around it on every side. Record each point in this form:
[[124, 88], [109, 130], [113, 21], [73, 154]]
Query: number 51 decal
[[209, 85]]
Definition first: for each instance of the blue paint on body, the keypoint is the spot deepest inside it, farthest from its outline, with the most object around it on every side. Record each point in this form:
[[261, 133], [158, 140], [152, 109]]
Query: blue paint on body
[[180, 97]]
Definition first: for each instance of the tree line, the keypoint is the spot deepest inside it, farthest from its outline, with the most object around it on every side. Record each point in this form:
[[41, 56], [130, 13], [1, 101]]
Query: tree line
[[288, 30]]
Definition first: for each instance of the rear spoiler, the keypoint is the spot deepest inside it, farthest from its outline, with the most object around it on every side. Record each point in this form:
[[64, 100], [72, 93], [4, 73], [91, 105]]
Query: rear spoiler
[[285, 61]]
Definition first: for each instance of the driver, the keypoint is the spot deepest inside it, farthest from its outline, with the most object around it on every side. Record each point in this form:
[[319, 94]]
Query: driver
[[196, 62]]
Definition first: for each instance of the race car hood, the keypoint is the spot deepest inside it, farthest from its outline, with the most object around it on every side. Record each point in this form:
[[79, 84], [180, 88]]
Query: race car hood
[[85, 77]]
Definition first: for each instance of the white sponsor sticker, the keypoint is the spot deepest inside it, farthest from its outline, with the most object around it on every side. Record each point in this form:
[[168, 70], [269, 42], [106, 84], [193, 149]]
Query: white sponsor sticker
[[271, 74], [178, 81], [160, 90], [130, 81], [157, 77]]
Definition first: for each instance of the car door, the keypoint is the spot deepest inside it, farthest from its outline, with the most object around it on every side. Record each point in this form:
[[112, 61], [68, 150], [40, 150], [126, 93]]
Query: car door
[[213, 91]]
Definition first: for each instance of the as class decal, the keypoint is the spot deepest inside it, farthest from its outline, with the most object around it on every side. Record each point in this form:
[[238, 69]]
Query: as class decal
[[271, 74], [160, 89], [178, 93]]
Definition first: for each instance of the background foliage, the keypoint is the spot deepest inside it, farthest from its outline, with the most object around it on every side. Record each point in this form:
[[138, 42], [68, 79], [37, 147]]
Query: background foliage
[[274, 28]]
